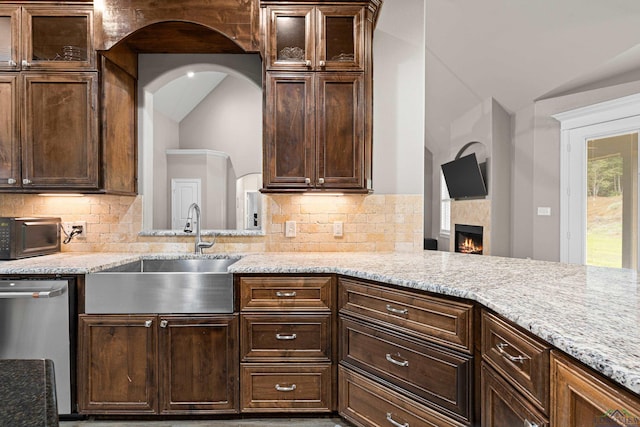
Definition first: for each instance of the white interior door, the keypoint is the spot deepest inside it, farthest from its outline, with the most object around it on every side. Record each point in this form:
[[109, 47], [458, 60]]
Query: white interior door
[[184, 191]]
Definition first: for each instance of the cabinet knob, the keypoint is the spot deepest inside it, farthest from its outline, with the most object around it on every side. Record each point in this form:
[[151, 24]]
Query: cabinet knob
[[321, 181], [26, 181], [148, 323], [26, 63], [164, 323], [12, 63], [307, 63], [11, 181], [322, 63], [528, 423], [307, 181]]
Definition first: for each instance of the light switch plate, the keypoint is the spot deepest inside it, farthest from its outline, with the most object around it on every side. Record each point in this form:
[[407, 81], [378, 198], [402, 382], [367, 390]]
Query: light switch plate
[[290, 229], [337, 229], [544, 211]]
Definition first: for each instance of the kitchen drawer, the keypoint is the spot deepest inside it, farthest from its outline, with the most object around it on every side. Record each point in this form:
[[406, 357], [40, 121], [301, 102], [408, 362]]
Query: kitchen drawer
[[286, 293], [434, 319], [278, 387], [439, 377], [368, 404], [286, 337], [503, 406], [521, 359]]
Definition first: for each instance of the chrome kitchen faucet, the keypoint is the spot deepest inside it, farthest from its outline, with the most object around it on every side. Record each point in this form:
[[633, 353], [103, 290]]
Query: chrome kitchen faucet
[[188, 228]]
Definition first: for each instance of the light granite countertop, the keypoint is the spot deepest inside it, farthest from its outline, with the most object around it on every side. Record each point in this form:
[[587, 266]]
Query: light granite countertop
[[590, 313]]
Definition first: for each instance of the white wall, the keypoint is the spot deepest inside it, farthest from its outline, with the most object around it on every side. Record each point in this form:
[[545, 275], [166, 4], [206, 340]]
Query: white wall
[[398, 98], [166, 136], [536, 166], [229, 119]]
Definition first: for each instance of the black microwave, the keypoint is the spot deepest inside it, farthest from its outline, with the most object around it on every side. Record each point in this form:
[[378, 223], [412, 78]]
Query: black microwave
[[27, 237]]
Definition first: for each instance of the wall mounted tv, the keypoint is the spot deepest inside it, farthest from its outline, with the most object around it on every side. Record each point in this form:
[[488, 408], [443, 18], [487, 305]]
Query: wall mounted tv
[[465, 178]]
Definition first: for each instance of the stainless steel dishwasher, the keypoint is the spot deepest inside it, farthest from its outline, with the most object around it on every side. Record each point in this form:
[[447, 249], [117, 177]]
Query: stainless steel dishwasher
[[35, 324]]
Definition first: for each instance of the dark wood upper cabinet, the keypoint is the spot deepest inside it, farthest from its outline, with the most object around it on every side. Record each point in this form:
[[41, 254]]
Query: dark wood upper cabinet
[[9, 131], [59, 131], [10, 37], [318, 97], [324, 38]]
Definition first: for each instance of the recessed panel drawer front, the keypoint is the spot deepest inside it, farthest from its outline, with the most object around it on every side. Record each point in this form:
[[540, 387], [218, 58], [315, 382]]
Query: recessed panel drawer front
[[271, 388], [286, 338], [523, 360], [440, 377], [368, 404], [434, 319], [285, 293], [502, 405]]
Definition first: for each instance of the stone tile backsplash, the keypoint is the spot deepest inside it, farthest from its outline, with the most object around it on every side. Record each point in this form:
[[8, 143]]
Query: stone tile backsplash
[[371, 223]]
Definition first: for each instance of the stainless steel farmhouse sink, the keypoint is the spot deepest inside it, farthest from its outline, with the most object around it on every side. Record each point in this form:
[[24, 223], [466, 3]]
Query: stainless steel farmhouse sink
[[147, 286]]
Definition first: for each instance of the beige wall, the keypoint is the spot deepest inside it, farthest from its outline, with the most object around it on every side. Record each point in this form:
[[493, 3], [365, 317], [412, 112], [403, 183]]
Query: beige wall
[[371, 223]]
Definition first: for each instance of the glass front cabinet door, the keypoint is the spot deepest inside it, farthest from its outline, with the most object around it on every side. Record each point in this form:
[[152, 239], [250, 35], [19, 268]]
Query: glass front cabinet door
[[315, 38], [57, 38], [9, 37]]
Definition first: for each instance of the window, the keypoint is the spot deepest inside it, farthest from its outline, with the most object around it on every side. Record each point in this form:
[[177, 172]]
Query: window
[[445, 207]]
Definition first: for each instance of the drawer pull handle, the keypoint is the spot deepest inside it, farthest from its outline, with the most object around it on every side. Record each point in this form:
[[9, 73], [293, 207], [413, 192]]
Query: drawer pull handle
[[528, 423], [281, 294], [396, 362], [285, 388], [394, 422], [396, 310], [286, 337], [501, 346]]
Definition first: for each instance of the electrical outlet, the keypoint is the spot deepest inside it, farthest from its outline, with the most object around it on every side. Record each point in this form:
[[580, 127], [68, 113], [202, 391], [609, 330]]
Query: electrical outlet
[[70, 227], [337, 229], [290, 229]]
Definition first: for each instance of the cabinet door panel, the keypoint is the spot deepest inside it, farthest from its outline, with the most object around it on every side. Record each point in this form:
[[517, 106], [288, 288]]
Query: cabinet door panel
[[286, 338], [59, 38], [439, 320], [119, 142], [438, 377], [117, 364], [60, 146], [9, 138], [580, 398], [290, 38], [9, 37], [283, 387], [340, 38], [289, 131], [199, 366], [340, 131], [368, 404], [502, 406]]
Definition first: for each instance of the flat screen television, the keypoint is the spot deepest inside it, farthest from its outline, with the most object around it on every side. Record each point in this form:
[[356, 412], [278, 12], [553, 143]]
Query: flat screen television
[[464, 178]]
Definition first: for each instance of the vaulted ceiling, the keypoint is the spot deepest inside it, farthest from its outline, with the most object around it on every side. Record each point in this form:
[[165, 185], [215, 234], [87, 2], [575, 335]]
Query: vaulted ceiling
[[518, 51]]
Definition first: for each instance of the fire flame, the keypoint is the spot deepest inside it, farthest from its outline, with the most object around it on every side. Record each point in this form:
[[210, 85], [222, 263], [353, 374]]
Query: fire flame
[[469, 246]]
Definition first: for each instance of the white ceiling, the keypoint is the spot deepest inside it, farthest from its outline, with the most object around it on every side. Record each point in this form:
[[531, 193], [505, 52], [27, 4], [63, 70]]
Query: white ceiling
[[177, 98], [518, 51]]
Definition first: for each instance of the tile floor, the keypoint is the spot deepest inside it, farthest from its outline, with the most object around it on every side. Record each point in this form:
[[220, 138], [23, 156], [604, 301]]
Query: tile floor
[[253, 422]]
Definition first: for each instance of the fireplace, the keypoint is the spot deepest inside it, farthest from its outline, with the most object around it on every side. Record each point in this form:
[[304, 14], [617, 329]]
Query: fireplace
[[468, 239]]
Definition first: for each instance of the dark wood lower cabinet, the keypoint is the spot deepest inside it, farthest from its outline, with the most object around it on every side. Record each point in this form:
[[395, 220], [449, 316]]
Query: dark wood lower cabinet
[[503, 406], [198, 364], [149, 364], [581, 399], [437, 376], [286, 387], [368, 404]]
